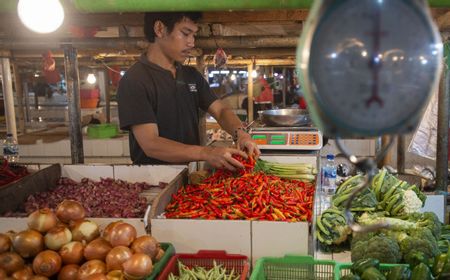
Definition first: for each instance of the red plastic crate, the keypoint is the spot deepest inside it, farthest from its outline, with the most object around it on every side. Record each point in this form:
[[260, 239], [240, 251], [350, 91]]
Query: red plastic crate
[[205, 259]]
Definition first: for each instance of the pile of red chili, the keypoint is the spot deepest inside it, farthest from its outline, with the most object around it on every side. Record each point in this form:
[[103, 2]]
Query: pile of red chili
[[246, 195], [10, 173]]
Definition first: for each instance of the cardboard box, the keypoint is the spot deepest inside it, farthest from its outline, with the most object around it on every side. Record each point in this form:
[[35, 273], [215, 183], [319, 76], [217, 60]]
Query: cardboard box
[[254, 239], [152, 174]]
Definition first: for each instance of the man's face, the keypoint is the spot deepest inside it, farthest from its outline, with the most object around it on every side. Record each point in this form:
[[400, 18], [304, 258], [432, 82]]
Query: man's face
[[178, 44]]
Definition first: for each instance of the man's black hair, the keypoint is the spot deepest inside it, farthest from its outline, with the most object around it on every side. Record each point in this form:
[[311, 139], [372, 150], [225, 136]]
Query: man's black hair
[[168, 19]]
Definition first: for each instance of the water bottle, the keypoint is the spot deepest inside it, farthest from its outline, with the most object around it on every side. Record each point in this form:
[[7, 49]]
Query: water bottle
[[10, 149], [329, 176]]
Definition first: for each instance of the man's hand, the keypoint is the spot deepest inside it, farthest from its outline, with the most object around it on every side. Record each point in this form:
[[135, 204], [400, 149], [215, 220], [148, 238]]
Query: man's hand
[[245, 143], [221, 157]]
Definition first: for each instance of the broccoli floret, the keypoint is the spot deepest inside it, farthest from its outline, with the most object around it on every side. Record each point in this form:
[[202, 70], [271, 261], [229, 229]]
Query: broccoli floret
[[431, 221], [379, 246], [420, 240]]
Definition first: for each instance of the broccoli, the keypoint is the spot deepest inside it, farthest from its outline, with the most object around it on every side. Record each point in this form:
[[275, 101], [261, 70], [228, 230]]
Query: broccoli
[[420, 240], [377, 246], [428, 220]]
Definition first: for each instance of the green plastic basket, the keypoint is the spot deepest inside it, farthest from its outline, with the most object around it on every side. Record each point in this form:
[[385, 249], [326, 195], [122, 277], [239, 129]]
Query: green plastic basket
[[293, 267], [101, 131], [169, 251], [343, 269]]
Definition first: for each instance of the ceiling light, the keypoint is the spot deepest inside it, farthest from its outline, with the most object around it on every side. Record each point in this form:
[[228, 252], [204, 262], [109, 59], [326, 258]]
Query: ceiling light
[[43, 16], [91, 79]]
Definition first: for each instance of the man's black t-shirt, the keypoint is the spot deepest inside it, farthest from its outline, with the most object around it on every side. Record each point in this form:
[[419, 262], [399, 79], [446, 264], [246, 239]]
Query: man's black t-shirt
[[148, 93]]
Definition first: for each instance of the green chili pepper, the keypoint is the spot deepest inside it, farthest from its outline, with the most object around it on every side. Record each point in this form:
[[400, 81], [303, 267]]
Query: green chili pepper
[[421, 272]]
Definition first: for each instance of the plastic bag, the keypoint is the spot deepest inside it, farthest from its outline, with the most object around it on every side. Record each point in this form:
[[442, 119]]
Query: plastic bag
[[424, 140]]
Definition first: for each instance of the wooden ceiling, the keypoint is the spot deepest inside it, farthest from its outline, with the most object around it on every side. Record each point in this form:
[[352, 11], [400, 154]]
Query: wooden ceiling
[[118, 38]]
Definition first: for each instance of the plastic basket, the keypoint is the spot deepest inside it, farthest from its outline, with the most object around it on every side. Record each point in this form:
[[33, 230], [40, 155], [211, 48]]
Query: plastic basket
[[293, 267], [169, 251], [206, 260], [100, 131], [343, 269], [89, 103]]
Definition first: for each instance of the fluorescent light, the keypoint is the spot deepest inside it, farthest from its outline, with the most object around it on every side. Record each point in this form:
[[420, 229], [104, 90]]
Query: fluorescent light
[[43, 16]]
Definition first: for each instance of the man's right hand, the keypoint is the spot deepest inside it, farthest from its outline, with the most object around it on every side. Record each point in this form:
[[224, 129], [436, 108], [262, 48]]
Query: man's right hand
[[222, 157]]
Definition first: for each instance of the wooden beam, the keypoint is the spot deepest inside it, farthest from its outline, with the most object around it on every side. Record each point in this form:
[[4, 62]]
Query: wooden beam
[[246, 17]]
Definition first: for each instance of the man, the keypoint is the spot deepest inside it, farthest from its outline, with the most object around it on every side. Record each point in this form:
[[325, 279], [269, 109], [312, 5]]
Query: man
[[159, 100]]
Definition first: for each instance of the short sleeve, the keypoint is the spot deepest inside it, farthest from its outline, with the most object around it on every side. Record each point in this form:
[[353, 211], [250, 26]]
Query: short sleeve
[[134, 103], [206, 96]]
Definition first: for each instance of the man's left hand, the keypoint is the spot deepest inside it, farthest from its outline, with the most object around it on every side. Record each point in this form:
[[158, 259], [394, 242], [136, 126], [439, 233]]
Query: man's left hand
[[245, 143]]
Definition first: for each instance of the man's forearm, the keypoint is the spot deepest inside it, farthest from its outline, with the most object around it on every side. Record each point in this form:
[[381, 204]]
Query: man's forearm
[[171, 151], [229, 121]]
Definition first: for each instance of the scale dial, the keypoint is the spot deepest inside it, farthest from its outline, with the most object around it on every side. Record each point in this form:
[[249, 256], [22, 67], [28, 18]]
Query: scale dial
[[368, 66]]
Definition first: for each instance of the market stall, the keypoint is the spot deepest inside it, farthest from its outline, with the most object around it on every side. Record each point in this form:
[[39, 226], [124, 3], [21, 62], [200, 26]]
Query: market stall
[[371, 76]]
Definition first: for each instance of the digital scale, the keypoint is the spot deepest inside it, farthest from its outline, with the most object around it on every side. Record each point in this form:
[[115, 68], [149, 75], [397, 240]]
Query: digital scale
[[287, 138]]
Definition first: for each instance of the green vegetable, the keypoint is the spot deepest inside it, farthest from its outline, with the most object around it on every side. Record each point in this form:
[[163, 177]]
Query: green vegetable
[[377, 246], [300, 171], [350, 277], [421, 272], [401, 272], [360, 266], [419, 241], [445, 274], [439, 263], [216, 272], [332, 227], [372, 273]]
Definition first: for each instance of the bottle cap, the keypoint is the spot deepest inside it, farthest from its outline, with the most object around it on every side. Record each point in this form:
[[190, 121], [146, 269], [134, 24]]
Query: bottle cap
[[330, 157]]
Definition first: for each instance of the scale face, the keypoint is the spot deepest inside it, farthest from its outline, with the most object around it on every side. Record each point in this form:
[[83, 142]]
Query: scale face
[[368, 66], [287, 138]]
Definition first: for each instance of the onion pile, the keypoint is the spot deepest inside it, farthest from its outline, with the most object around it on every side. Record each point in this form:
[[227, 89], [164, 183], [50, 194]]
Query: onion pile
[[65, 246], [107, 198]]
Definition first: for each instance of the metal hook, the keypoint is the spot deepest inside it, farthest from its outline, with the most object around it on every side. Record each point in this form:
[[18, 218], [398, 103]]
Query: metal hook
[[368, 166]]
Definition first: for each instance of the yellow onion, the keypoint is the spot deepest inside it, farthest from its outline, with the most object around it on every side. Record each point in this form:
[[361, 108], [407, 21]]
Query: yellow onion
[[70, 210], [108, 228], [159, 255], [72, 252], [84, 230], [42, 220], [69, 272], [5, 243], [11, 262], [24, 274], [97, 276], [39, 277], [91, 267], [28, 243], [115, 275], [137, 267], [146, 244], [116, 257], [122, 234], [97, 249], [57, 237], [47, 263]]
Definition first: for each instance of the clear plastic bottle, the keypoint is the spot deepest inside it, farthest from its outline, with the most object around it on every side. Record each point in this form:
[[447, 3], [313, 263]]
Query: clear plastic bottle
[[10, 149], [329, 176]]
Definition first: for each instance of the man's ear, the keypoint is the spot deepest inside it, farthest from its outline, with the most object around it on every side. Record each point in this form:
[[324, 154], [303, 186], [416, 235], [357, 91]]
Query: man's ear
[[159, 28]]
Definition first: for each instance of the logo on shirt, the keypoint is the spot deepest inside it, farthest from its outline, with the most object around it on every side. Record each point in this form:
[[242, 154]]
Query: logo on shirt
[[192, 87]]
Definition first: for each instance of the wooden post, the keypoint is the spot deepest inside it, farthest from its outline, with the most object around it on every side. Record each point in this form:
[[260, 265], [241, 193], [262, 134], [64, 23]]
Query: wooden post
[[73, 98], [19, 95], [250, 92]]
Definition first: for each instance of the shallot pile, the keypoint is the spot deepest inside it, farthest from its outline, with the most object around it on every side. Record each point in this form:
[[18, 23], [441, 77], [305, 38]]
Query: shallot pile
[[64, 245], [107, 198]]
